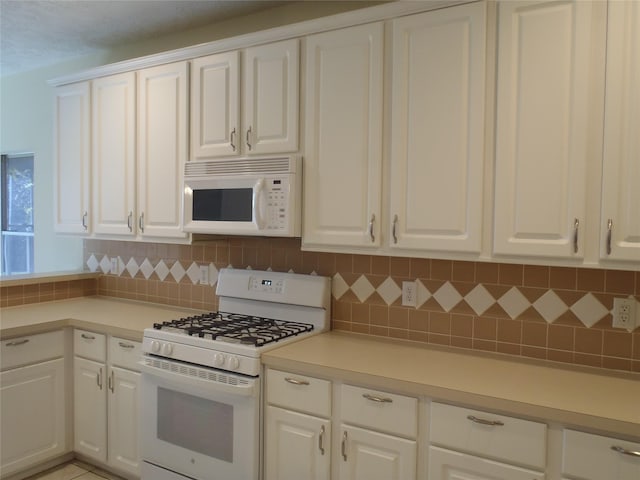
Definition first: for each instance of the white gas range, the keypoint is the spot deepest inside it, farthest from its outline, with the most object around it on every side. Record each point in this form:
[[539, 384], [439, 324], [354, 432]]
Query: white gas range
[[201, 374]]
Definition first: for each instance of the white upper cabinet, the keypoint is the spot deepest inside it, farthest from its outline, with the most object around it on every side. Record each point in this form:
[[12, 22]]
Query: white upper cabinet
[[114, 149], [269, 121], [343, 139], [162, 149], [620, 222], [270, 102], [437, 130], [547, 55], [215, 107], [72, 158]]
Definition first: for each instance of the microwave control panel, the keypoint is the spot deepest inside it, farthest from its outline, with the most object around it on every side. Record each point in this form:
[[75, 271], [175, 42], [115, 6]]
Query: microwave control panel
[[277, 198]]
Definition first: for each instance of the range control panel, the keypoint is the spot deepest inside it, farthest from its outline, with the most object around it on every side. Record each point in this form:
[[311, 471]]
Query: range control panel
[[266, 285]]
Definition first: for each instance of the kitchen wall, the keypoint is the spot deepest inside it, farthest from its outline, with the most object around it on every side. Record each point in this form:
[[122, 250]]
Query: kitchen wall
[[26, 110], [552, 313]]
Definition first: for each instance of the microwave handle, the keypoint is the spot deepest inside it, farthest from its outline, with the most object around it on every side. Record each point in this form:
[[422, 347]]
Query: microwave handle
[[257, 202]]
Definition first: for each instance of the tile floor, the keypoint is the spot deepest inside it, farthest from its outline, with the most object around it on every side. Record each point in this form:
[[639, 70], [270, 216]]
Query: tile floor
[[75, 470]]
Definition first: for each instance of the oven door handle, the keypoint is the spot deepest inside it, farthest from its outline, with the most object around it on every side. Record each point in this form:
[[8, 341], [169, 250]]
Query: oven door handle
[[196, 380]]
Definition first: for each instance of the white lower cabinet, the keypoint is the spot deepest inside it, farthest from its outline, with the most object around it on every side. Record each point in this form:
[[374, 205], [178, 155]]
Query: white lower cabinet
[[298, 446], [32, 415], [449, 465], [595, 457], [298, 428], [366, 454], [32, 401], [107, 401]]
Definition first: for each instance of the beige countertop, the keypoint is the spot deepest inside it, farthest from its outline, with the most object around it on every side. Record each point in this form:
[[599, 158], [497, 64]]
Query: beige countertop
[[119, 317], [33, 278], [594, 400]]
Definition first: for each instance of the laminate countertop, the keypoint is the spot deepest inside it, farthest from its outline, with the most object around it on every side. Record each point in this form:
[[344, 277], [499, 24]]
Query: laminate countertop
[[578, 397], [123, 318]]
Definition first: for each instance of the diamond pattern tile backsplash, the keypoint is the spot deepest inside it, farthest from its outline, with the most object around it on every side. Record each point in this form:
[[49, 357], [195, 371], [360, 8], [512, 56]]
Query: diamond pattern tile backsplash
[[552, 313]]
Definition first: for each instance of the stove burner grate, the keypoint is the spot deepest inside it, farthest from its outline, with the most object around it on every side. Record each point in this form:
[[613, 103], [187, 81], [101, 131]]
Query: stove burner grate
[[235, 328]]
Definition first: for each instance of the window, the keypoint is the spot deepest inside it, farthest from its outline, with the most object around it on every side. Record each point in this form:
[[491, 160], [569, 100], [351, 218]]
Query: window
[[16, 200]]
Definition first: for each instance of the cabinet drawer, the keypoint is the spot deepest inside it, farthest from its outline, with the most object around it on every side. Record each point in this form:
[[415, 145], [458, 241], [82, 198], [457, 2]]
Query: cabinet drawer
[[90, 345], [504, 438], [31, 349], [593, 457], [124, 353], [382, 411], [299, 392]]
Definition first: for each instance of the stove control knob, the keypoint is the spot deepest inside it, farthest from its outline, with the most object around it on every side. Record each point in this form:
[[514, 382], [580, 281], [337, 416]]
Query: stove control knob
[[234, 363], [155, 346], [218, 359], [167, 348]]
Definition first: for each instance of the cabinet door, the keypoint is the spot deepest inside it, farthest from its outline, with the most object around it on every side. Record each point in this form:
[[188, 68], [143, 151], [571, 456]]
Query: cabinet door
[[437, 129], [124, 393], [215, 106], [32, 416], [546, 52], [620, 193], [162, 149], [90, 408], [343, 140], [367, 455], [113, 173], [270, 113], [72, 125], [297, 446], [449, 465]]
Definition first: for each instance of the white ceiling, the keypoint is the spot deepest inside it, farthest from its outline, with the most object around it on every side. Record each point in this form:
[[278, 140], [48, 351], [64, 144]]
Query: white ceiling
[[36, 33]]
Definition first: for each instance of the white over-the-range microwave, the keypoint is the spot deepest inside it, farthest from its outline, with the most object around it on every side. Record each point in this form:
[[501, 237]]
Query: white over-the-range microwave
[[244, 196]]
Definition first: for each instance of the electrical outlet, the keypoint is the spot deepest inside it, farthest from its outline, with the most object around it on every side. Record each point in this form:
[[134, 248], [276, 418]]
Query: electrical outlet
[[624, 313], [114, 266], [409, 294], [204, 274]]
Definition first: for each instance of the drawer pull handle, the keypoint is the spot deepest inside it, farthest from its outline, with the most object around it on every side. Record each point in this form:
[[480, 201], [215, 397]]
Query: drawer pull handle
[[482, 421], [321, 440], [88, 337], [295, 381], [624, 451], [125, 345], [17, 342], [377, 399], [343, 448]]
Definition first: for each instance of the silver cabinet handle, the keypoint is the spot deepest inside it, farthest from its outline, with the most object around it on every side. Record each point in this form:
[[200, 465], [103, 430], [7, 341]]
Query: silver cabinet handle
[[99, 379], [111, 381], [321, 440], [624, 451], [141, 222], [125, 345], [295, 381], [576, 226], [482, 421], [393, 230], [130, 221], [86, 336], [247, 138], [371, 235], [17, 343], [84, 219], [343, 448], [232, 137], [609, 229], [375, 398]]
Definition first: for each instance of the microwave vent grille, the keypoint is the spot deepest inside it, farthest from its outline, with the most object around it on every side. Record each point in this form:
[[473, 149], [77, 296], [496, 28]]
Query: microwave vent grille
[[240, 167]]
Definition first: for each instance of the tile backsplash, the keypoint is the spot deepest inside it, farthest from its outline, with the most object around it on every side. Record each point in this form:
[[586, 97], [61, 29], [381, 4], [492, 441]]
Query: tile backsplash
[[552, 313]]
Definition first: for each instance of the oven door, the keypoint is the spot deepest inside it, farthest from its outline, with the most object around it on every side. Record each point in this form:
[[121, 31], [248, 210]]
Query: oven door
[[198, 422]]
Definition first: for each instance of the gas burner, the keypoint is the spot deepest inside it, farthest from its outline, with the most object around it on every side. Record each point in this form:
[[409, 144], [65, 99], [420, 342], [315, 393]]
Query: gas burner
[[235, 328]]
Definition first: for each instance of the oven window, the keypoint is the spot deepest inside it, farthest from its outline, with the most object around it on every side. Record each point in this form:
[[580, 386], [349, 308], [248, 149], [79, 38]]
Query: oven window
[[196, 424], [223, 205]]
